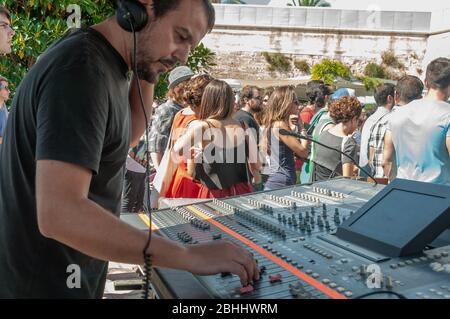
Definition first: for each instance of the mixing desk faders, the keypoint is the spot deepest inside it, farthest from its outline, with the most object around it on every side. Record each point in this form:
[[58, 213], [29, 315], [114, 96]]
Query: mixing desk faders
[[290, 232]]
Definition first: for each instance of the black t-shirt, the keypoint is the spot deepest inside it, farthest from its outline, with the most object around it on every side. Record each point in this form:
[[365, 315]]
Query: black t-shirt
[[72, 106], [249, 120], [329, 162]]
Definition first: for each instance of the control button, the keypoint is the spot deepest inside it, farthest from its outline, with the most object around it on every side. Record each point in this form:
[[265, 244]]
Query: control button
[[447, 296], [393, 266], [437, 267], [333, 285], [344, 261], [262, 269], [401, 264], [340, 289], [409, 262], [348, 294], [308, 271], [447, 268], [315, 275], [326, 281], [246, 290], [275, 278]]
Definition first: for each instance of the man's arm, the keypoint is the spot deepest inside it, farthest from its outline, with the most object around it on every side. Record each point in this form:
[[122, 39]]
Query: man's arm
[[1, 140], [388, 154], [156, 159], [66, 214], [137, 115], [371, 155], [347, 169]]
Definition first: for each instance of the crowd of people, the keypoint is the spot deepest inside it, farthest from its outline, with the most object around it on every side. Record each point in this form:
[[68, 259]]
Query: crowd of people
[[405, 135], [77, 114]]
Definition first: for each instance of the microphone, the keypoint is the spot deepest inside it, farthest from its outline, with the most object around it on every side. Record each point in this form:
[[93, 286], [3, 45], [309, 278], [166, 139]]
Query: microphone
[[299, 136]]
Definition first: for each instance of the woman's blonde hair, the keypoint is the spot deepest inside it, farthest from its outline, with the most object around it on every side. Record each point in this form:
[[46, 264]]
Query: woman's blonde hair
[[217, 101], [279, 105]]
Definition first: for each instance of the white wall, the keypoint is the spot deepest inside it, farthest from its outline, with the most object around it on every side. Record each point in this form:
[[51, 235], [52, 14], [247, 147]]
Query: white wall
[[264, 16]]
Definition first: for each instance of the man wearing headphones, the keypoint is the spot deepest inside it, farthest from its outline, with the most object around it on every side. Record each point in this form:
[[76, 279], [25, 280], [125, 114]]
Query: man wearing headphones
[[72, 124]]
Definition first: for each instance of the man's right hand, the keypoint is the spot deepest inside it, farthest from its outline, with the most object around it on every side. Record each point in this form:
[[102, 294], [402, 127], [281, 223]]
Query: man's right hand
[[221, 257]]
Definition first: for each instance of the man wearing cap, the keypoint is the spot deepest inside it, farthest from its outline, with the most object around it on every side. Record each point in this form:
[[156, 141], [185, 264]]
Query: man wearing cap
[[162, 121]]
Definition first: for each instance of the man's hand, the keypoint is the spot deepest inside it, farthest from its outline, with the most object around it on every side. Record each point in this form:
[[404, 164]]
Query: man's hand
[[222, 256]]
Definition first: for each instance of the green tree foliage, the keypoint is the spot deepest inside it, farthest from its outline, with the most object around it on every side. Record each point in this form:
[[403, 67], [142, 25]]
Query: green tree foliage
[[302, 66], [329, 70], [277, 62], [370, 83], [309, 3], [374, 70], [38, 23]]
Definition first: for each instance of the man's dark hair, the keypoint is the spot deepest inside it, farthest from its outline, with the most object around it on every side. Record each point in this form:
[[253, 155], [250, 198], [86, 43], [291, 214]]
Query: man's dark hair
[[316, 91], [409, 88], [247, 93], [382, 92], [162, 7], [5, 12], [438, 74]]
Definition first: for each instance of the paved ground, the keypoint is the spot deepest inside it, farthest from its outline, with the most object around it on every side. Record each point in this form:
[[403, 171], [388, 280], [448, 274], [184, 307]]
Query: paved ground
[[117, 272]]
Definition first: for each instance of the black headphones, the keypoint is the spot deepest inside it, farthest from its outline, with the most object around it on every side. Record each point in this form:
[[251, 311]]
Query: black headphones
[[131, 11]]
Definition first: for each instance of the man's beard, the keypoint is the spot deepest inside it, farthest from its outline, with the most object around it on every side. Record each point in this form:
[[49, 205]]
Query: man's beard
[[146, 73]]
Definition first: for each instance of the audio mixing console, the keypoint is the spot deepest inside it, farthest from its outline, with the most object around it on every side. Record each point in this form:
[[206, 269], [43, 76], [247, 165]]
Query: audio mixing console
[[291, 234]]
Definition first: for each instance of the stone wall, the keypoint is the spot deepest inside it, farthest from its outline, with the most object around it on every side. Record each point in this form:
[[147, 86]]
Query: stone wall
[[239, 52], [355, 37]]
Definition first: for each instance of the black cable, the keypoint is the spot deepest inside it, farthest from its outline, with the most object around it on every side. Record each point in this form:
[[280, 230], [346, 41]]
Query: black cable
[[388, 292], [289, 133], [146, 254]]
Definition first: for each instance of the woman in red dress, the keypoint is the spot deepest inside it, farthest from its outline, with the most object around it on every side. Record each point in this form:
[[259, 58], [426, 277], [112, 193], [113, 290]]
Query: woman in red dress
[[224, 157], [182, 185]]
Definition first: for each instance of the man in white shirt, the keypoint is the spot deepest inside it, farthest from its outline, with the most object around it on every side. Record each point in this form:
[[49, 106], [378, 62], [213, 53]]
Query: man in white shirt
[[418, 133]]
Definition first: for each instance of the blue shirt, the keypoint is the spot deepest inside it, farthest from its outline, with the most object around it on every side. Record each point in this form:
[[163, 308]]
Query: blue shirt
[[3, 119], [419, 131]]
